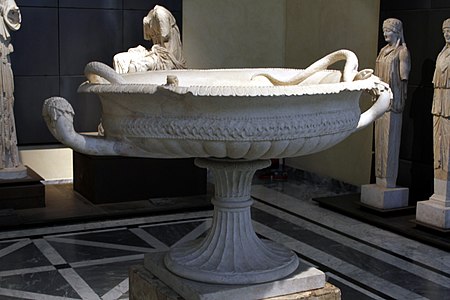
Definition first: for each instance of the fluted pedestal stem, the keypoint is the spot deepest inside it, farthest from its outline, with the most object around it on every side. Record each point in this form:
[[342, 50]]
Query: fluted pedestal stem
[[232, 253]]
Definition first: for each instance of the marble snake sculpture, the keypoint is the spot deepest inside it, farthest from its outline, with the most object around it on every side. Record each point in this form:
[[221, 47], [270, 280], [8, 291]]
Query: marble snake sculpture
[[350, 69]]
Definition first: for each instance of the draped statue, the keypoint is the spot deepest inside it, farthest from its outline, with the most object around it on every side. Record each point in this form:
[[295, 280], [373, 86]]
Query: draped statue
[[10, 165], [441, 109], [166, 53], [392, 66], [436, 210]]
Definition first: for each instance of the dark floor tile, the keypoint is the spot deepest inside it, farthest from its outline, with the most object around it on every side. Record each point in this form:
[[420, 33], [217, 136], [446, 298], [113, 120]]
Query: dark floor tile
[[78, 253], [25, 257], [116, 273], [347, 292], [120, 237], [10, 298], [169, 234], [5, 244], [49, 283]]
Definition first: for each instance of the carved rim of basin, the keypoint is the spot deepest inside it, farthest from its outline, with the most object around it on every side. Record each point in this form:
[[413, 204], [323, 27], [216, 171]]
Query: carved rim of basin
[[141, 83], [233, 113]]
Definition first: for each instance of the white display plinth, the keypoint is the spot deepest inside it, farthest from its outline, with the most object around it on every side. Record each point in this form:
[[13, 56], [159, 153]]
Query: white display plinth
[[436, 210], [13, 173], [377, 196]]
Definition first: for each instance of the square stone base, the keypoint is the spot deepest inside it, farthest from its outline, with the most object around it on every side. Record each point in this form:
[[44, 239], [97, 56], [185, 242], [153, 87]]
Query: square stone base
[[384, 198], [146, 286], [434, 213], [22, 193], [303, 280]]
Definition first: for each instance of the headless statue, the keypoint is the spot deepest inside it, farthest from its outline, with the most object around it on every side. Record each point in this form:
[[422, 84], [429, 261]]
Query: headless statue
[[166, 53]]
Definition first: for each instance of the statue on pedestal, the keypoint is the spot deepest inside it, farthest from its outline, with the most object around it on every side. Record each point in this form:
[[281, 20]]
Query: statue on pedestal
[[441, 109], [436, 210], [166, 53], [10, 164], [392, 66]]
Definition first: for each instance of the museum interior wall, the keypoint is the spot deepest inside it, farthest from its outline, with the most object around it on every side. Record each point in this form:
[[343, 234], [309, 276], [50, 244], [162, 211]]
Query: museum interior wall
[[56, 40], [234, 34], [292, 34], [324, 27]]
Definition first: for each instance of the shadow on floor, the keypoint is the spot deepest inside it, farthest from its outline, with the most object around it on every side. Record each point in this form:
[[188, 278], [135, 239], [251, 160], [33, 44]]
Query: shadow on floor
[[63, 205]]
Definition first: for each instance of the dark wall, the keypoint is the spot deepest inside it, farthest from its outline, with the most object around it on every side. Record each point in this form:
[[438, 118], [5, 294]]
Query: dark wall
[[56, 40], [422, 25]]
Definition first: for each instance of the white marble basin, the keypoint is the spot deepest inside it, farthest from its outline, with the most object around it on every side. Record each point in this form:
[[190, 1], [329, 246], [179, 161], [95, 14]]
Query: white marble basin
[[227, 113], [232, 121]]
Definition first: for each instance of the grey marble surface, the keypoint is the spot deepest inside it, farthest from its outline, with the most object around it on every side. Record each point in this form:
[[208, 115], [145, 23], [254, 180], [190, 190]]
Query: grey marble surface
[[91, 260]]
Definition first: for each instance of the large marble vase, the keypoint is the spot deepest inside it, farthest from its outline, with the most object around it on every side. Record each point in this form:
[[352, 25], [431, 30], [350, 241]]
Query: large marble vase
[[233, 121]]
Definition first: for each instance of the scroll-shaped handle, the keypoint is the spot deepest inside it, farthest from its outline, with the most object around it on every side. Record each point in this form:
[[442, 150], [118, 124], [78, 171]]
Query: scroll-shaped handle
[[378, 108], [97, 72]]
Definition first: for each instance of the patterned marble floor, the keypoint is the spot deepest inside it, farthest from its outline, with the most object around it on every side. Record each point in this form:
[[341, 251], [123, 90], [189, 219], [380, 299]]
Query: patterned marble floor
[[91, 260]]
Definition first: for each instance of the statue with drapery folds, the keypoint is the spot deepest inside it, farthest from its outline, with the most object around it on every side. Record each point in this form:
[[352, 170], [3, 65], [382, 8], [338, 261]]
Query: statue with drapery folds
[[10, 164], [441, 109], [436, 210], [166, 53], [393, 65]]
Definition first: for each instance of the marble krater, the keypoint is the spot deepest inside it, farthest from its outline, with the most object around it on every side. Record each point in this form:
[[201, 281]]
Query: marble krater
[[233, 122]]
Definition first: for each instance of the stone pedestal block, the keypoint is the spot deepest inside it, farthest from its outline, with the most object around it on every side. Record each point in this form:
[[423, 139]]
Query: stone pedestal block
[[328, 292], [144, 284], [21, 193], [304, 278], [433, 212], [381, 197], [436, 211]]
